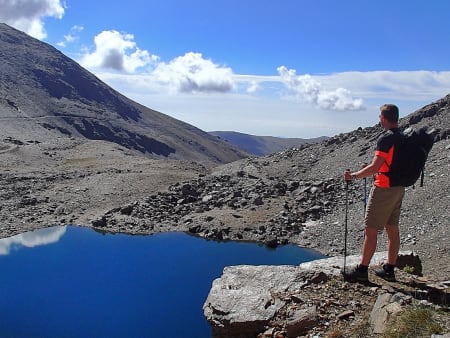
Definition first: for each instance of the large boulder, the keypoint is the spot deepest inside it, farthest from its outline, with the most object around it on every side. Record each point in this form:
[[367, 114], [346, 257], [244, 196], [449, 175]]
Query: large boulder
[[246, 299]]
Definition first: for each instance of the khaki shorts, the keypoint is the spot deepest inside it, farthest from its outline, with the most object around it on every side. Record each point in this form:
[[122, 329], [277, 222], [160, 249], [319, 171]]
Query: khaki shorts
[[384, 206]]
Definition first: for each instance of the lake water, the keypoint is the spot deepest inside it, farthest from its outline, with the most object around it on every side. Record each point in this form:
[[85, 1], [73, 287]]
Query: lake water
[[75, 282]]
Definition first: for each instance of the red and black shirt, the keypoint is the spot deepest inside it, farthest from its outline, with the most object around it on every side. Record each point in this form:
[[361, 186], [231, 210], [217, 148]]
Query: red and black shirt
[[386, 146]]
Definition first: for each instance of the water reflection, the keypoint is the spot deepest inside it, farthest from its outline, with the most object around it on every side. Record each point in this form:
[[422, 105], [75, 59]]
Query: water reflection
[[32, 239], [88, 284]]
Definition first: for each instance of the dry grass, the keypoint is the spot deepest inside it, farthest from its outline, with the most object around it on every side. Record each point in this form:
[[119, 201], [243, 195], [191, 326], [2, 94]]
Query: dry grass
[[413, 323], [335, 333], [360, 330]]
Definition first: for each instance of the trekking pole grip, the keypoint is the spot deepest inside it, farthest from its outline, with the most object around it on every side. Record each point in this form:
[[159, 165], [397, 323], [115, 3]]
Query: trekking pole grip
[[347, 181]]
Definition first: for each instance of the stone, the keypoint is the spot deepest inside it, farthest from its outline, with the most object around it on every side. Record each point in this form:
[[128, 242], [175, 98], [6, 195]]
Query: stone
[[383, 310], [207, 198], [345, 314], [379, 316], [410, 260], [99, 223], [258, 201], [241, 301], [126, 210], [272, 243], [304, 320]]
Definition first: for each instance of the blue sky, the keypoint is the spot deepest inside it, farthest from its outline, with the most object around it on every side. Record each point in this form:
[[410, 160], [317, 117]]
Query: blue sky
[[288, 68]]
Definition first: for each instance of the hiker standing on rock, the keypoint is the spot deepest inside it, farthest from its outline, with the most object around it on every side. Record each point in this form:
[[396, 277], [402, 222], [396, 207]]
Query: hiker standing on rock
[[385, 199]]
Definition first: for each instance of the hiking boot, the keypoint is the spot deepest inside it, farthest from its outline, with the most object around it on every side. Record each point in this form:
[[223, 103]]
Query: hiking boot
[[356, 275], [386, 273]]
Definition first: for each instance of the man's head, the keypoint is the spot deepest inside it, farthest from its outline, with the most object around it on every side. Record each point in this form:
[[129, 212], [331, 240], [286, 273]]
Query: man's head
[[390, 113]]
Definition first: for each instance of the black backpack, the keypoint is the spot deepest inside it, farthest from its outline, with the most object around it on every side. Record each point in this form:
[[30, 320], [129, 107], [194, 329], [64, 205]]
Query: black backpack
[[410, 156]]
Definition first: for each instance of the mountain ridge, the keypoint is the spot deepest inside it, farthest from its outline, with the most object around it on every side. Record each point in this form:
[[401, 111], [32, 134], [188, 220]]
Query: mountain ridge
[[262, 145], [46, 94]]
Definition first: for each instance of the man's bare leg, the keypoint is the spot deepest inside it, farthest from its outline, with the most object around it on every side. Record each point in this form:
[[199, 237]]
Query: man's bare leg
[[369, 246], [393, 243]]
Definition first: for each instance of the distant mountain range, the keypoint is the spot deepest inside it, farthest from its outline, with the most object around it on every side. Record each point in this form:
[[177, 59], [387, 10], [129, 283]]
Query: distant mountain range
[[44, 95], [262, 145]]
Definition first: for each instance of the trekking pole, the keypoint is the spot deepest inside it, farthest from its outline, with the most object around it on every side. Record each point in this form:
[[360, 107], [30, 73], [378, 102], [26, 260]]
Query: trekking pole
[[365, 192], [346, 221], [365, 196]]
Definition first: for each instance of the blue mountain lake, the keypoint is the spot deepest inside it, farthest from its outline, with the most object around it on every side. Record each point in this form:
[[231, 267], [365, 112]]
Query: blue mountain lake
[[75, 282]]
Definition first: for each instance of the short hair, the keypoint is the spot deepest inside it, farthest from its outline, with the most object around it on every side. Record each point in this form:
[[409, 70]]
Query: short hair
[[390, 112]]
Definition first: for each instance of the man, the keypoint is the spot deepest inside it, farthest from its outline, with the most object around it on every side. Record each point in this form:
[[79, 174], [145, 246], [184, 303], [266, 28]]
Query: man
[[385, 199]]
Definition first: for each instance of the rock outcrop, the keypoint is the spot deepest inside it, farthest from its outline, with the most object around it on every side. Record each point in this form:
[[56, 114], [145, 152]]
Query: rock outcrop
[[247, 301]]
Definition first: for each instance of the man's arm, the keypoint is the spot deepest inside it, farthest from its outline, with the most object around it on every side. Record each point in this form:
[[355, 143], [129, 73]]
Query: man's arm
[[368, 170]]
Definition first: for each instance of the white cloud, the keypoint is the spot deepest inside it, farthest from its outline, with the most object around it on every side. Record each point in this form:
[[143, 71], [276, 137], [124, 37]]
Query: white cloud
[[192, 73], [253, 86], [31, 239], [117, 51], [212, 97], [71, 36], [396, 85], [28, 15], [308, 88]]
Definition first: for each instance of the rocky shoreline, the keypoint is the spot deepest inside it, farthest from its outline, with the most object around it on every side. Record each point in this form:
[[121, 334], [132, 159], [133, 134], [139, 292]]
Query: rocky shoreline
[[289, 197]]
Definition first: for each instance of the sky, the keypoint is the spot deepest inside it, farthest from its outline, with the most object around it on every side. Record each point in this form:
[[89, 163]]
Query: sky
[[285, 68]]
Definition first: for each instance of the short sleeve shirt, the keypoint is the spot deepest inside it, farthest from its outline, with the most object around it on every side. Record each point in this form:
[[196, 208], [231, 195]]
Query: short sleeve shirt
[[385, 148]]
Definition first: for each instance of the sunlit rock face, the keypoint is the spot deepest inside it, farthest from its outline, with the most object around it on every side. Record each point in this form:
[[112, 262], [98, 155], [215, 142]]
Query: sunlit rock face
[[246, 299]]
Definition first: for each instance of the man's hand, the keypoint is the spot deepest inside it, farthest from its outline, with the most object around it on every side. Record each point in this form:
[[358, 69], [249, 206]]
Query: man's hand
[[348, 175]]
